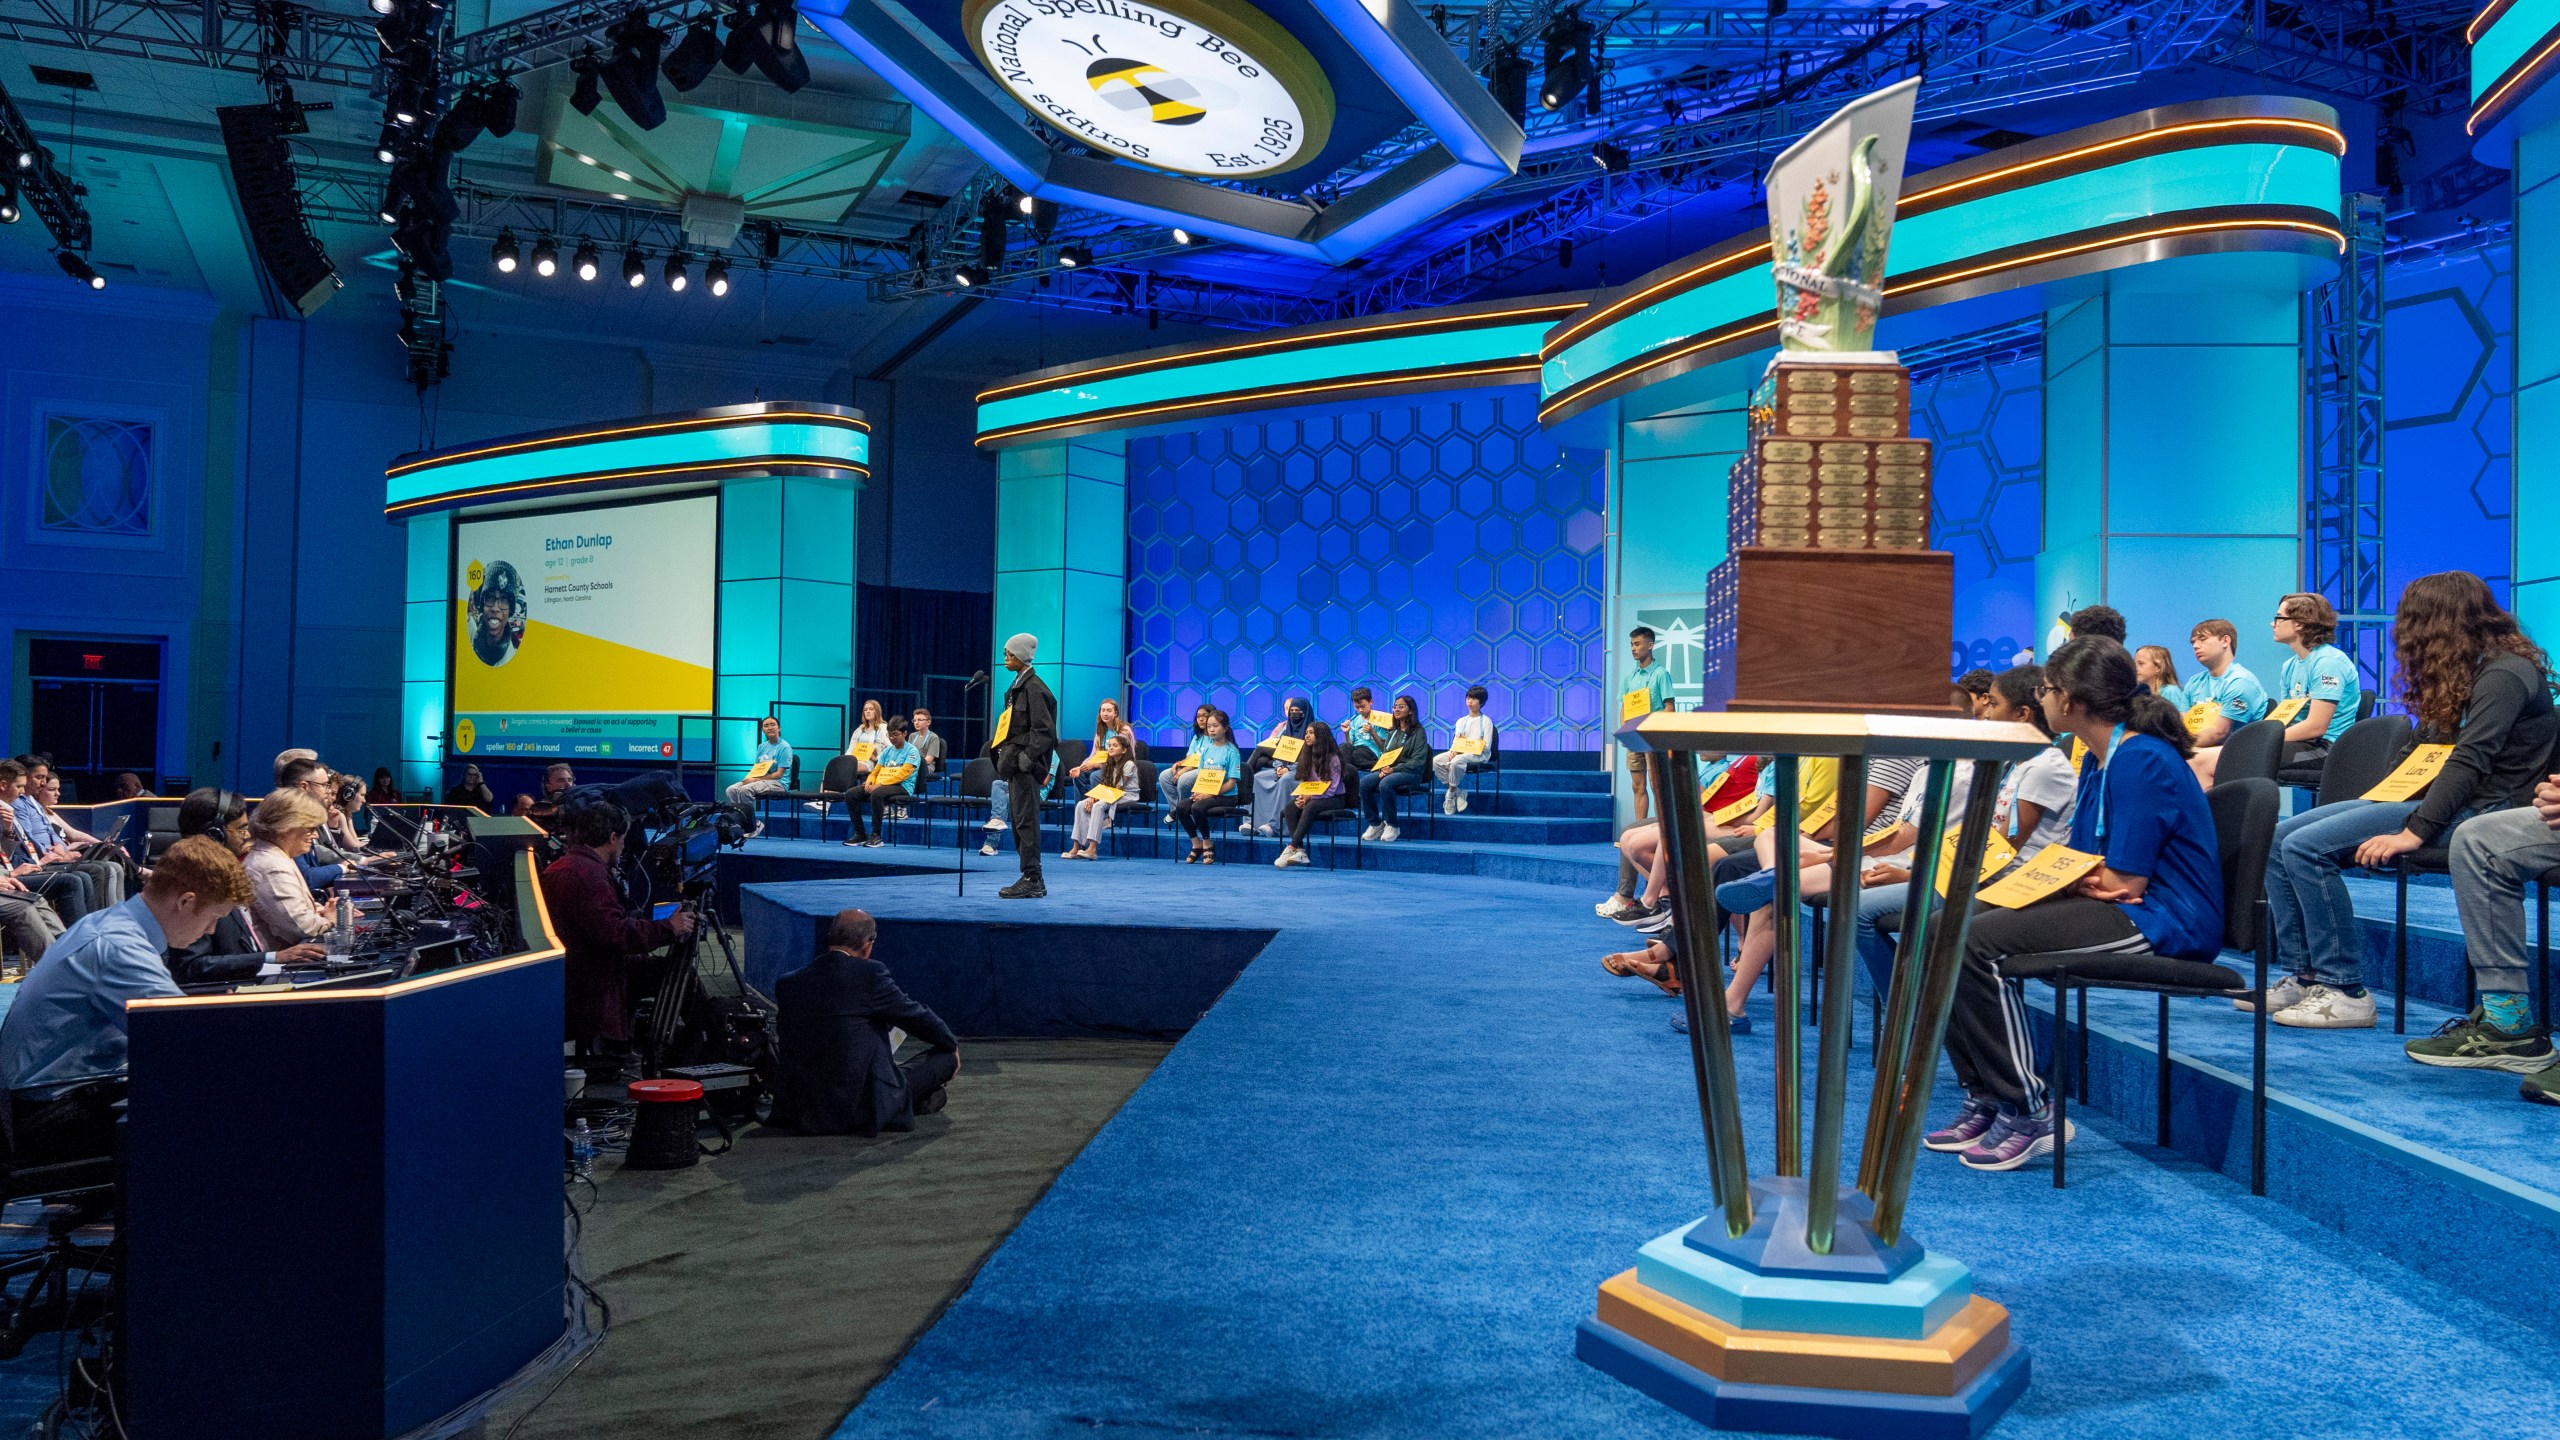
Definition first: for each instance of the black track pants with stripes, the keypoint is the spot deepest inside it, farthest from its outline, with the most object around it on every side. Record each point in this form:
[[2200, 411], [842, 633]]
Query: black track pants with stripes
[[1990, 1038]]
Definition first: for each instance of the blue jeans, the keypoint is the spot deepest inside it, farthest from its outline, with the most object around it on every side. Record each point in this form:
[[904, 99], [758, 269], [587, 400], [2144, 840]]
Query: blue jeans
[[1875, 948], [1378, 793], [2317, 937]]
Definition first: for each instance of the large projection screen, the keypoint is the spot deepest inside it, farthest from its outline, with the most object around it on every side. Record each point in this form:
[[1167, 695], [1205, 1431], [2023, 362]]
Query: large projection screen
[[585, 632]]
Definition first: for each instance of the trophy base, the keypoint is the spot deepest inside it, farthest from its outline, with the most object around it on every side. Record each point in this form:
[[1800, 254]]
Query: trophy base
[[1774, 1245], [1805, 1410]]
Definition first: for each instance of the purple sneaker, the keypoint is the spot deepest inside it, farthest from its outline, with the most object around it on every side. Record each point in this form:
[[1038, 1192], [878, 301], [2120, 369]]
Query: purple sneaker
[[2014, 1141], [1971, 1124]]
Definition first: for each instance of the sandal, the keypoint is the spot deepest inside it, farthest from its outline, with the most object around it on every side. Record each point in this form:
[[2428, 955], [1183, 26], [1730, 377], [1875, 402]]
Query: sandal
[[1660, 973]]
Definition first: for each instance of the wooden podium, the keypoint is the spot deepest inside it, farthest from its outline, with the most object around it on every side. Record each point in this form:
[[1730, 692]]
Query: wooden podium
[[1826, 600]]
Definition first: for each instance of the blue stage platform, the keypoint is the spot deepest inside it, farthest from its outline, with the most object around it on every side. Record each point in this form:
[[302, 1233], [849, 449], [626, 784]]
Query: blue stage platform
[[1373, 1190]]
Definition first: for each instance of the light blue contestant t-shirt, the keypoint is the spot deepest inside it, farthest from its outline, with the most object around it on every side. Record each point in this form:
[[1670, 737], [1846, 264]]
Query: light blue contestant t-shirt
[[2325, 674], [2178, 698], [1653, 679], [2237, 692]]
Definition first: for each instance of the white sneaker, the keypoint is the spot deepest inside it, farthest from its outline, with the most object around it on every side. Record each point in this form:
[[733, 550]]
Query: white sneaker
[[1387, 834], [992, 825], [2282, 995], [2322, 1008], [987, 849], [1291, 856], [1372, 832], [1459, 800]]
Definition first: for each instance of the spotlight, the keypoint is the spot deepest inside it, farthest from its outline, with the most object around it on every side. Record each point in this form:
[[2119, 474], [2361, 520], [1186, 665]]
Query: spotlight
[[1508, 81], [26, 159], [1610, 158], [738, 51], [586, 261], [716, 276], [389, 213], [632, 73], [689, 64], [674, 273], [384, 153], [1024, 203], [9, 210], [498, 100], [778, 55], [546, 258], [1074, 257], [970, 276], [382, 7], [1568, 61], [635, 268], [77, 266], [1181, 236], [588, 94], [1044, 216], [503, 254]]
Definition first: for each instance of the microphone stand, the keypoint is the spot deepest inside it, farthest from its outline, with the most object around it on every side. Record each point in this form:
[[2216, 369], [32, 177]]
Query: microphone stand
[[960, 870]]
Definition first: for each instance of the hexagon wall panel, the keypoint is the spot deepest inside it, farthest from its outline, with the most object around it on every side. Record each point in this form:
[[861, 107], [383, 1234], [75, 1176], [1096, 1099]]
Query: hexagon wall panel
[[1987, 498], [2448, 356], [1413, 546]]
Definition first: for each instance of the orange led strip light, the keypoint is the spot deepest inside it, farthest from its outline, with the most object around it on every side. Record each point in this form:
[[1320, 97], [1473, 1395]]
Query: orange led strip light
[[1117, 418], [588, 437], [601, 477]]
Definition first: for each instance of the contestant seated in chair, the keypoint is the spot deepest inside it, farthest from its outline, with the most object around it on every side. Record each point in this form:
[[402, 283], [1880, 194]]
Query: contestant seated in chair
[[2317, 673], [1322, 787], [1000, 803], [869, 734], [1470, 746], [770, 773], [2037, 797], [62, 1048], [1361, 733], [2495, 856], [281, 830], [1209, 786], [45, 873], [931, 753], [1272, 776], [233, 949], [1972, 688], [2159, 670], [1117, 775], [1403, 766], [472, 790], [603, 941], [1106, 723], [840, 1071], [2222, 697], [891, 783], [1727, 782], [2470, 678], [2157, 890]]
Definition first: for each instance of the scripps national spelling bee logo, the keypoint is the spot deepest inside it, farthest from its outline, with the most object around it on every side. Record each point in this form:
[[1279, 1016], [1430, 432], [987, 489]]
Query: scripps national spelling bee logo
[[1195, 87]]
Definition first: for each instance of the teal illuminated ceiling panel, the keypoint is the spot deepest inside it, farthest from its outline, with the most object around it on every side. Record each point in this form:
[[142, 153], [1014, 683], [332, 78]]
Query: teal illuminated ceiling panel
[[732, 442]]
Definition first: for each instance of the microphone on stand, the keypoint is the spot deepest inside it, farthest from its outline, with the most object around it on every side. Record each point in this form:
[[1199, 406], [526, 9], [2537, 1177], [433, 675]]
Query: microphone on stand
[[977, 680]]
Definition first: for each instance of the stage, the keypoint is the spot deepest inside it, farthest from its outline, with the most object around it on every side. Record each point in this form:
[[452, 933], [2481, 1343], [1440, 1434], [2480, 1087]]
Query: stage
[[1374, 1189]]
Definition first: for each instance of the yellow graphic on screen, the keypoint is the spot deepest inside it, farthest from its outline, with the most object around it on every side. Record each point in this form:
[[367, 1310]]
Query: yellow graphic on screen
[[564, 672], [1135, 85], [465, 735]]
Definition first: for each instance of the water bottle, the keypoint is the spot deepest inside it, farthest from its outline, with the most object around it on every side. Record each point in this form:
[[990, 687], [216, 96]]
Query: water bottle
[[346, 933], [582, 1149]]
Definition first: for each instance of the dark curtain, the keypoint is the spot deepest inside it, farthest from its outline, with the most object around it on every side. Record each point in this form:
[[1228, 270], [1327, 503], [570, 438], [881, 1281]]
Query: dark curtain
[[918, 647]]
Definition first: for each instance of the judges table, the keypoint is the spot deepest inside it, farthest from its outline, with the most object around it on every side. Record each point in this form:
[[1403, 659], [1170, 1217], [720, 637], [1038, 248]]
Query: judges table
[[343, 1207]]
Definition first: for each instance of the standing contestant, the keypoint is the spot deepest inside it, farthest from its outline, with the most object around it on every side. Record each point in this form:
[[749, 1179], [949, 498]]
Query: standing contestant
[[1653, 678], [1024, 746]]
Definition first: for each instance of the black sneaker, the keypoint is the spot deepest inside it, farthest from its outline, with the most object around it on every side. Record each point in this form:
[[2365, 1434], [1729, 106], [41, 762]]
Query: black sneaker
[[1636, 916], [1026, 888], [932, 1101]]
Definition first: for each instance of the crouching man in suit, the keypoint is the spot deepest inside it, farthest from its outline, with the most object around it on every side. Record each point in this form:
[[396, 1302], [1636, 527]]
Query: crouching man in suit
[[840, 1073]]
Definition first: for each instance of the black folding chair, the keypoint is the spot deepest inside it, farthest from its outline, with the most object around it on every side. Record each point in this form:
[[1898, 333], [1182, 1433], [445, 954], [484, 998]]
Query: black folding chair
[[2250, 752], [842, 776], [977, 779], [2244, 827], [2306, 774], [1138, 804]]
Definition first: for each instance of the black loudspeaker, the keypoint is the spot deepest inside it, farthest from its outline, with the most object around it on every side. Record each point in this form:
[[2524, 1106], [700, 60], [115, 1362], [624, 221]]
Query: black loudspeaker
[[262, 173]]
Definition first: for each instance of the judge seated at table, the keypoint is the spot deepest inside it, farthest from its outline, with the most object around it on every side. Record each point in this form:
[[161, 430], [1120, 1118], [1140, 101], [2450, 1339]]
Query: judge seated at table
[[840, 1072]]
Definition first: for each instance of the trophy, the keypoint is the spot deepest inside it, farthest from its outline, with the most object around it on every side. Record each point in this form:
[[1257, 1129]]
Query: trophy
[[1799, 1304]]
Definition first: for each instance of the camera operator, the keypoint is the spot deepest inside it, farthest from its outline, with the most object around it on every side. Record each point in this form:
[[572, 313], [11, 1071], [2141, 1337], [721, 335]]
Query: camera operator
[[603, 940]]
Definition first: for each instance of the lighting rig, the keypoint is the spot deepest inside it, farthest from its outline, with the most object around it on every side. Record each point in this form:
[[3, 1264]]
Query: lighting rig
[[29, 181]]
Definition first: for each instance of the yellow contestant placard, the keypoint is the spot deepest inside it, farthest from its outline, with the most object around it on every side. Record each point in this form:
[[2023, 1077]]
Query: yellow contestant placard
[[1734, 811], [1004, 727], [1467, 745], [1212, 780], [2414, 774], [2201, 714], [1996, 856], [892, 774], [1635, 705], [1286, 748], [1387, 761], [762, 769], [2283, 712], [2080, 749], [1108, 794], [1820, 815], [866, 750], [2053, 870], [1308, 789]]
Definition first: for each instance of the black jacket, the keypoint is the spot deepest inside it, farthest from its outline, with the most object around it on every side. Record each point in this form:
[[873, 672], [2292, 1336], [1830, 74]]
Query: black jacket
[[839, 1076], [1033, 736], [2504, 747], [226, 953]]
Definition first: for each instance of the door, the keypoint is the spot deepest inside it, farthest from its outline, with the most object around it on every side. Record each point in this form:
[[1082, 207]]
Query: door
[[94, 707]]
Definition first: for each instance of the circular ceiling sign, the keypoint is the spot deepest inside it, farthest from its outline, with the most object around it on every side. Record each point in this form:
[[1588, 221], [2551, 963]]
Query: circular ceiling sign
[[1198, 87]]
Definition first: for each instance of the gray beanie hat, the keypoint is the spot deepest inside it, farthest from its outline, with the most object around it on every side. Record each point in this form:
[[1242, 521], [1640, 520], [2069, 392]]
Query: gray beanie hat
[[1021, 647]]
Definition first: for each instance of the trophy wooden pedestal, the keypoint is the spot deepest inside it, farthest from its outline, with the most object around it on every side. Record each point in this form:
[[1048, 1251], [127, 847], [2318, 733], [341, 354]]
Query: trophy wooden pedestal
[[1851, 630]]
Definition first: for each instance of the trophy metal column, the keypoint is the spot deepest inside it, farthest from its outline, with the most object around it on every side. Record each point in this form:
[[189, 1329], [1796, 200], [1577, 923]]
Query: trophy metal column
[[1799, 1305]]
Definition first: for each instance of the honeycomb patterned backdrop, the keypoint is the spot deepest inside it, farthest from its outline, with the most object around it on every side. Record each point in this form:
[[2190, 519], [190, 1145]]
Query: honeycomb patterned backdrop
[[2448, 358], [1411, 546], [1987, 498]]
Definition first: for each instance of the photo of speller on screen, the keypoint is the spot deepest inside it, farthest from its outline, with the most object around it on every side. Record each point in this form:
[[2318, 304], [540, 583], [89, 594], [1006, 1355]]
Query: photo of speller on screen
[[497, 614]]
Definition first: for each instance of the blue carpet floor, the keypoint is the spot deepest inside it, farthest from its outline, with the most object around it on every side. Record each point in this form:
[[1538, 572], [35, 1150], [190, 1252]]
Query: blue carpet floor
[[1373, 1191]]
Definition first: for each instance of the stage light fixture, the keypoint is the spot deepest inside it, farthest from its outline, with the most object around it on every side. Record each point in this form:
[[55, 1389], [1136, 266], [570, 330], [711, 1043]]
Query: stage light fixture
[[1024, 203], [969, 277], [689, 64], [715, 276], [389, 212], [777, 51], [546, 258], [1074, 257], [674, 274], [588, 93], [635, 268], [587, 262], [383, 7], [499, 100], [1610, 158], [9, 210], [503, 254], [1181, 236], [1568, 61], [632, 72], [26, 159], [383, 151], [1507, 80], [77, 266]]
